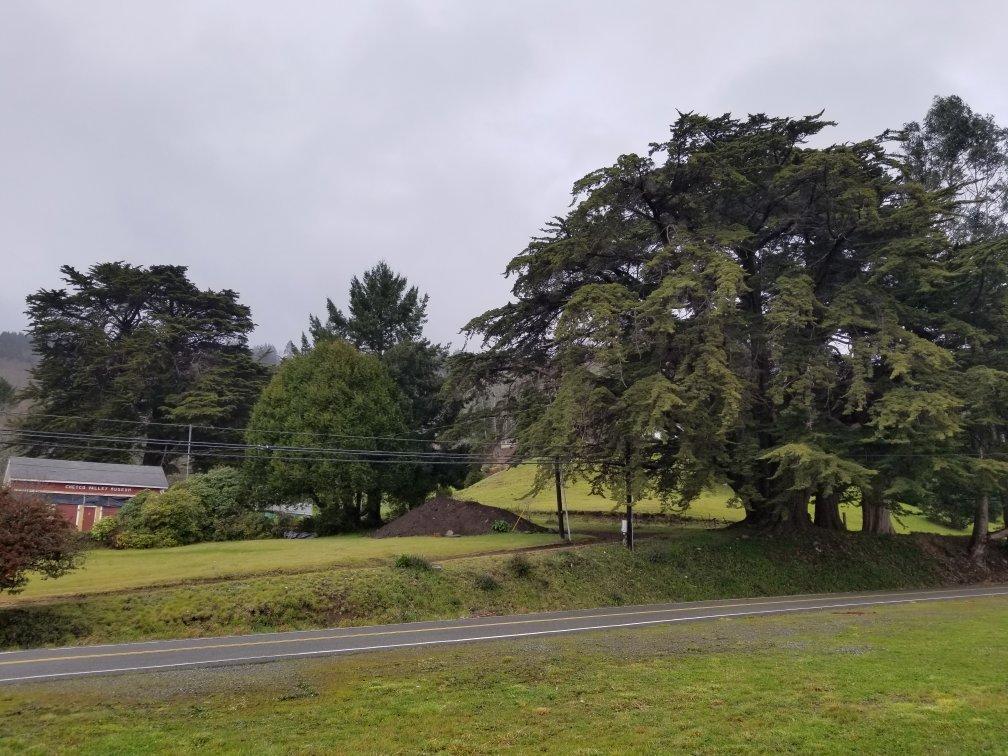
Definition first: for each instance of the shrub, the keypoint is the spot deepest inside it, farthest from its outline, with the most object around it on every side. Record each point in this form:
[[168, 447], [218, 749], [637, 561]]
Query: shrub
[[411, 562], [175, 514], [520, 566], [129, 513], [34, 537], [474, 476], [221, 491], [140, 540], [330, 521], [247, 527], [500, 526], [487, 582], [105, 530]]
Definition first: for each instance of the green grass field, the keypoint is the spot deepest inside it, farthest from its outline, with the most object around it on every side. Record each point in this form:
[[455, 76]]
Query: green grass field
[[108, 570], [696, 564], [509, 489], [925, 678]]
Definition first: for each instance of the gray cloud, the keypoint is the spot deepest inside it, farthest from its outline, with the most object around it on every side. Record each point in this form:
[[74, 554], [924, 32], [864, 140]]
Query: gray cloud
[[279, 149]]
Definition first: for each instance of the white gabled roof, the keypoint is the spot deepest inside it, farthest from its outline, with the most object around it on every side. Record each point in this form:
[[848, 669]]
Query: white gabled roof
[[76, 471]]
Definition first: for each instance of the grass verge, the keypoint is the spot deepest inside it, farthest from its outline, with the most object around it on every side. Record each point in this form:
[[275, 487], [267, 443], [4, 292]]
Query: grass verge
[[105, 570], [698, 564], [923, 678]]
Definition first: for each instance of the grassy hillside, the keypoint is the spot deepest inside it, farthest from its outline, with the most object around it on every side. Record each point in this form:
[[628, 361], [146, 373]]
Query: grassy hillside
[[697, 564], [853, 682], [105, 570], [510, 489]]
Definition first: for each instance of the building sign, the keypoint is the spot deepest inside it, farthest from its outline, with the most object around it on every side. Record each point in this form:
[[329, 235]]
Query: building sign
[[89, 489]]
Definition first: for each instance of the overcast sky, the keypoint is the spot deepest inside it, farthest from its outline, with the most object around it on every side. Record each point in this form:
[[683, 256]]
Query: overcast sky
[[279, 148]]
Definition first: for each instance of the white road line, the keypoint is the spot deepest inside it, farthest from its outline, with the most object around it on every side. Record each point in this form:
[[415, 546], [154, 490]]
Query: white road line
[[503, 636]]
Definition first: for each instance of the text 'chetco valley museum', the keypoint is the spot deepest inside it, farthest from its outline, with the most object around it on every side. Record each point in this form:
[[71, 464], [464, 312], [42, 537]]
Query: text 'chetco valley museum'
[[83, 492]]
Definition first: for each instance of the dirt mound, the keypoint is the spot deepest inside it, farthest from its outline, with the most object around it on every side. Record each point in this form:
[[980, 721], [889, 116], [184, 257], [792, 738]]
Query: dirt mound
[[439, 515]]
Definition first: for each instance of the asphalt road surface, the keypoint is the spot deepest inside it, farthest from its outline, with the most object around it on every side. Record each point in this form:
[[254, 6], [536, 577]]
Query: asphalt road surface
[[50, 663]]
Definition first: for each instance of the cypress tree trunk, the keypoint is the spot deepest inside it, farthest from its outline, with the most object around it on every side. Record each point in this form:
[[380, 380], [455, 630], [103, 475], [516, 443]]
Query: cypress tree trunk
[[357, 499], [875, 514], [790, 516], [981, 524], [373, 510], [827, 511]]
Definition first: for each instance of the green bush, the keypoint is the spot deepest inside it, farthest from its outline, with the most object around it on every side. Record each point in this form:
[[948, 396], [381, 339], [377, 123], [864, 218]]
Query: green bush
[[487, 582], [176, 514], [474, 476], [411, 562], [129, 513], [520, 566], [248, 526], [222, 493], [331, 520], [135, 540], [500, 526], [105, 530]]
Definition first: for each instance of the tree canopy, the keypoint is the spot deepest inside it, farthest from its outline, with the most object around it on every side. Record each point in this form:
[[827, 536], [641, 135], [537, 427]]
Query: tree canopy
[[384, 311], [386, 318], [330, 396], [34, 538], [125, 350], [739, 307]]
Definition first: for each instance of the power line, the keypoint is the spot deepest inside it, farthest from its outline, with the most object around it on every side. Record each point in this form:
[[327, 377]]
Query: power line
[[234, 429], [133, 440], [304, 458]]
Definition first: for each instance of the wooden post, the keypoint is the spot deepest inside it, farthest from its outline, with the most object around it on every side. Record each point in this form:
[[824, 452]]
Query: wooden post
[[188, 458], [629, 509], [562, 524]]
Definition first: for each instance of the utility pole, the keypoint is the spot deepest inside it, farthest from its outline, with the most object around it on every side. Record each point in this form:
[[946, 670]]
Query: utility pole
[[188, 454], [562, 522], [629, 506]]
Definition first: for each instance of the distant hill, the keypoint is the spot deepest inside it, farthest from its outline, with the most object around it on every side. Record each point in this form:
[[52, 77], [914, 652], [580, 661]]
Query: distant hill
[[16, 357]]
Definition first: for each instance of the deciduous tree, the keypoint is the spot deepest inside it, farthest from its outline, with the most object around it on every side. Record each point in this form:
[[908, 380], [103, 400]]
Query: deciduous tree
[[34, 538]]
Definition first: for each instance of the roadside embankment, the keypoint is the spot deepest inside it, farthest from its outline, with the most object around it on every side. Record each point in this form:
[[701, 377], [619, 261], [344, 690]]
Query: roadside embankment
[[696, 565]]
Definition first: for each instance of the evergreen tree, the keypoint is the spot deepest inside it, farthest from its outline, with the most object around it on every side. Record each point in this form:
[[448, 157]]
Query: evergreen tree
[[124, 349], [731, 307], [964, 156], [386, 318], [384, 311]]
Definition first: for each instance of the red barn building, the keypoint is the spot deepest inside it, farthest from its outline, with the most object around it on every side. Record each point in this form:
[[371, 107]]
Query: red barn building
[[83, 492]]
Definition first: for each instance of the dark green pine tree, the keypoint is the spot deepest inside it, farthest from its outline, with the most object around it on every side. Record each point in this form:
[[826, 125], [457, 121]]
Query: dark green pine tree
[[386, 318], [728, 308], [384, 311], [964, 156], [124, 350]]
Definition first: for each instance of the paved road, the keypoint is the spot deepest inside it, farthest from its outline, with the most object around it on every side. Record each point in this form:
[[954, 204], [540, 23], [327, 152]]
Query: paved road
[[49, 663]]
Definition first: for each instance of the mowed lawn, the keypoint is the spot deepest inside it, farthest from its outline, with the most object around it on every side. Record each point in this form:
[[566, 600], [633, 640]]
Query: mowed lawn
[[107, 570], [920, 678], [509, 489]]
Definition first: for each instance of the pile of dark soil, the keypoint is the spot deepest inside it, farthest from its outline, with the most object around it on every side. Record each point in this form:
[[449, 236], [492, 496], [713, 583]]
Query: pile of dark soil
[[442, 514]]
